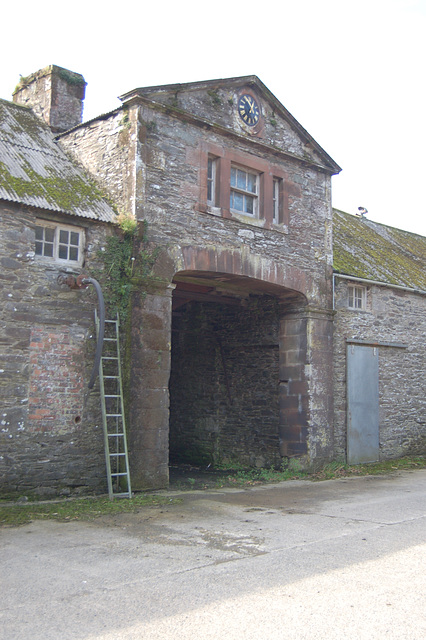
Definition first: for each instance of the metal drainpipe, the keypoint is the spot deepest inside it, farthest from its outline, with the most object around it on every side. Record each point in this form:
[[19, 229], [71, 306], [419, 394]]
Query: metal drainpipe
[[100, 342], [81, 283], [378, 283]]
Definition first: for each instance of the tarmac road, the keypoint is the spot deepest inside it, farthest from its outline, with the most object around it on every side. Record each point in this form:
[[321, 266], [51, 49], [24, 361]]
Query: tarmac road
[[299, 560]]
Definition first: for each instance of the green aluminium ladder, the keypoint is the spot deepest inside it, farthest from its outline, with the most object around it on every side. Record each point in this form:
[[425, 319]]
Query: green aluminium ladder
[[113, 419]]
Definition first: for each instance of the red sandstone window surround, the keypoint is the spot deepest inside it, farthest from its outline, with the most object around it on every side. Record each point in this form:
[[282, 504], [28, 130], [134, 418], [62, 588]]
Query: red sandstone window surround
[[243, 187]]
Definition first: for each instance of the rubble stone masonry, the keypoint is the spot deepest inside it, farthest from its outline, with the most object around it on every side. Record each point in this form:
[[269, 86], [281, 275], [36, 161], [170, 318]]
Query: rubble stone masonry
[[394, 319], [50, 434]]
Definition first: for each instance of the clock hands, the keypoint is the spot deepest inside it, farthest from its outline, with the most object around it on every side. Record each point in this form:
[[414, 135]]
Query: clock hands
[[249, 110]]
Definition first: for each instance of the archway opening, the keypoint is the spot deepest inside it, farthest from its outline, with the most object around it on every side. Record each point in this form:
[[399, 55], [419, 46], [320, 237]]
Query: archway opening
[[225, 395]]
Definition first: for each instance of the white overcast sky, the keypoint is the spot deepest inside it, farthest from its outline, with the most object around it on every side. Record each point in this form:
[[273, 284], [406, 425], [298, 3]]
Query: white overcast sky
[[352, 72]]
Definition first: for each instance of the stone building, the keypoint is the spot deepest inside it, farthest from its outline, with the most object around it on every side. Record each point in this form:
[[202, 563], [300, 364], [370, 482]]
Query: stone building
[[379, 340], [229, 336]]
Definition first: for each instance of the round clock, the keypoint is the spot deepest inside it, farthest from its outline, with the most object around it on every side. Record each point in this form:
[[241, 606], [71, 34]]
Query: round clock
[[248, 110]]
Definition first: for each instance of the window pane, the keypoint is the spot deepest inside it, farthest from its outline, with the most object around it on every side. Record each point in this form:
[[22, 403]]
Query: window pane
[[238, 201], [211, 181], [48, 250], [49, 234], [249, 204], [63, 252], [39, 233], [63, 236], [73, 253], [233, 177], [39, 248], [251, 183], [74, 238], [241, 179]]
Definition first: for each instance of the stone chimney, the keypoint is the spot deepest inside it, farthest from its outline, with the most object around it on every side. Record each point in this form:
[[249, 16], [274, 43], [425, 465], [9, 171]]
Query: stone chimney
[[54, 94]]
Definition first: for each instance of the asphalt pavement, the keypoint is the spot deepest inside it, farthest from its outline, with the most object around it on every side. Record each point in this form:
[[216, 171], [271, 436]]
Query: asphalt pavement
[[298, 560]]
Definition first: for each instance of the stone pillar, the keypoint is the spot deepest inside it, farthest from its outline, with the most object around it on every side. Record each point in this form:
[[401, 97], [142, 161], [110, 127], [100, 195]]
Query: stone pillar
[[148, 386], [294, 403], [306, 385], [319, 374]]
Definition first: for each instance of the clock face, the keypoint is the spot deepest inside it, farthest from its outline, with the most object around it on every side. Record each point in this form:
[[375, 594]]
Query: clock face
[[248, 110]]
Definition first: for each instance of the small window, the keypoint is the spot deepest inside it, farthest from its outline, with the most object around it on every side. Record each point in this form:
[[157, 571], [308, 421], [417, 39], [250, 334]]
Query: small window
[[356, 297], [276, 187], [244, 191], [211, 181], [61, 243]]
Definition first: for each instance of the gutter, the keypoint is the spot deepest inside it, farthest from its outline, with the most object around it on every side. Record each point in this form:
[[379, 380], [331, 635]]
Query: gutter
[[374, 282]]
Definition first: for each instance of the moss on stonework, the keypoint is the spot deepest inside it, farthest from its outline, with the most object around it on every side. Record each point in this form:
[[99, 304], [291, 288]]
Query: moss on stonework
[[71, 78], [376, 252]]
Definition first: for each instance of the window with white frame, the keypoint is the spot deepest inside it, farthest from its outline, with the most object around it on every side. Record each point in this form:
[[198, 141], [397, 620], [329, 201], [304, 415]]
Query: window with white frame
[[61, 243], [211, 180], [356, 297], [244, 194]]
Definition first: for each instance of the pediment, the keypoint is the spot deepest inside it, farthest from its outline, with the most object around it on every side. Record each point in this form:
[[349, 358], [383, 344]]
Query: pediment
[[221, 103]]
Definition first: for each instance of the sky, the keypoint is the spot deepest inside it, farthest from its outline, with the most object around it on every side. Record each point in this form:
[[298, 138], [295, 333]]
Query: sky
[[352, 73]]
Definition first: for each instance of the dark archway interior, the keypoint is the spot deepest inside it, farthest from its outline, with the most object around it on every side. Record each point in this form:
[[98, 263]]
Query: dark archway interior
[[224, 382]]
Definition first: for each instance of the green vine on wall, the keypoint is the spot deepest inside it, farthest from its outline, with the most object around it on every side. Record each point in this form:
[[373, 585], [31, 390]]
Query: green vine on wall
[[125, 257]]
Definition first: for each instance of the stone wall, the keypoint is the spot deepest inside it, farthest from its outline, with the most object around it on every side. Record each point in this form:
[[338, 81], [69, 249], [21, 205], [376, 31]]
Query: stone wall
[[397, 318], [152, 159], [224, 384], [51, 429]]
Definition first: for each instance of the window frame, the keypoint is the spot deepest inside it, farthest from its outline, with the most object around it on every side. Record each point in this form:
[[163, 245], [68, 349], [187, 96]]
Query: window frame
[[222, 159], [246, 193], [56, 243], [357, 294], [277, 200], [212, 167]]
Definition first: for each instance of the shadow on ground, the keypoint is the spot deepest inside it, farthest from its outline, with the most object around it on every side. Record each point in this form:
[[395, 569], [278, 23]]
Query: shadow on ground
[[186, 476]]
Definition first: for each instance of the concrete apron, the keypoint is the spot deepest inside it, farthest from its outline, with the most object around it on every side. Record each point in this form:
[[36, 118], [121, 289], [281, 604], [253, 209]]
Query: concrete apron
[[295, 560]]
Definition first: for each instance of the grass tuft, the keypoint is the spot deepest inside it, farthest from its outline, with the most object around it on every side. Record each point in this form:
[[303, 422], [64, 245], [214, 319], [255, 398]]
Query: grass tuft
[[87, 509]]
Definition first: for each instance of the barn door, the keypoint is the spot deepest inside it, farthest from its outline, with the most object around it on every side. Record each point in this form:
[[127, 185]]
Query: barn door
[[362, 403]]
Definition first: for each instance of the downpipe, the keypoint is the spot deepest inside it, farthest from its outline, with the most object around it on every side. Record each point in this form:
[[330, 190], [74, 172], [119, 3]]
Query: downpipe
[[82, 282]]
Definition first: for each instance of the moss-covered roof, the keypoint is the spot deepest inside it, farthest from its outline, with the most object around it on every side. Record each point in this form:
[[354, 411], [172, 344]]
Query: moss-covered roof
[[366, 249], [34, 169]]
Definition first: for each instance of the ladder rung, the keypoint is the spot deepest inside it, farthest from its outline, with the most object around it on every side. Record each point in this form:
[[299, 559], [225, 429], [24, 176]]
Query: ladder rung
[[113, 338]]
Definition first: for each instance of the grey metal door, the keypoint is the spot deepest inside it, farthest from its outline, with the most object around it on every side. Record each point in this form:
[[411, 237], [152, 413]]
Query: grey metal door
[[362, 403]]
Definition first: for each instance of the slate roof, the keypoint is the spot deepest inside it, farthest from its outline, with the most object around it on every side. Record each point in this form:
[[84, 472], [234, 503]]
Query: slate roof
[[34, 169], [374, 251]]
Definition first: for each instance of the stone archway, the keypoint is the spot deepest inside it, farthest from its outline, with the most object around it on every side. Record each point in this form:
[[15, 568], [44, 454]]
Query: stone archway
[[225, 370], [218, 276]]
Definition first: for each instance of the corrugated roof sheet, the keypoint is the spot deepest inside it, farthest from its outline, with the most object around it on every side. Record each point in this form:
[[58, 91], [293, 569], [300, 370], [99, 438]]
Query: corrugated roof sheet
[[35, 170], [366, 249]]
